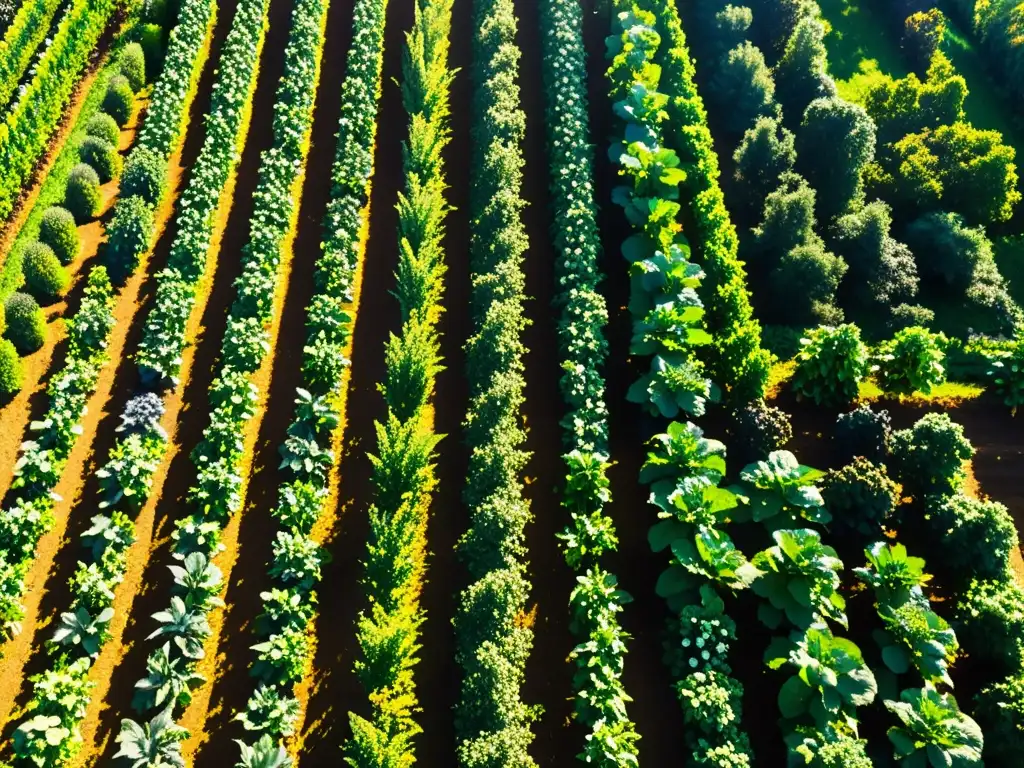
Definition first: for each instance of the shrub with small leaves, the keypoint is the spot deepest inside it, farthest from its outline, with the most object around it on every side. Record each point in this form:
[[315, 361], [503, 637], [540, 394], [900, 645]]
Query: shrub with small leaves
[[975, 537], [758, 429], [860, 496], [999, 710], [26, 324], [142, 415], [102, 156], [57, 229], [103, 127], [119, 99], [831, 364], [863, 432], [133, 66], [144, 175], [929, 457], [912, 361], [45, 278], [989, 620], [82, 194], [11, 376], [128, 236]]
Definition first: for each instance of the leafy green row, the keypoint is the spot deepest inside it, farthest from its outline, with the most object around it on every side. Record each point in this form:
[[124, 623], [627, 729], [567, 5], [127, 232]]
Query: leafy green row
[[684, 468], [737, 361], [283, 653], [600, 656], [219, 458], [22, 38], [50, 733], [28, 127], [493, 636], [388, 631]]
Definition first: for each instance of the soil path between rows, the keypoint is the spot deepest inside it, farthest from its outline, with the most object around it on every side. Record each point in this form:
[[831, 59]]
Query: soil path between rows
[[58, 551], [233, 684], [335, 689]]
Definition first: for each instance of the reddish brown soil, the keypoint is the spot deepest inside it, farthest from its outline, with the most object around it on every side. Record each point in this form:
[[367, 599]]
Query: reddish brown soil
[[335, 690]]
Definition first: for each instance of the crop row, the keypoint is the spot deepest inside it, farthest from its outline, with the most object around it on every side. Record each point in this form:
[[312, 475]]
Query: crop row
[[220, 460], [596, 601], [28, 29], [493, 640], [737, 361], [403, 470], [308, 453], [30, 124], [125, 480]]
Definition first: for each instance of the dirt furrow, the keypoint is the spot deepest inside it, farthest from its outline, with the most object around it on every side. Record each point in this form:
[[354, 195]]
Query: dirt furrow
[[334, 688]]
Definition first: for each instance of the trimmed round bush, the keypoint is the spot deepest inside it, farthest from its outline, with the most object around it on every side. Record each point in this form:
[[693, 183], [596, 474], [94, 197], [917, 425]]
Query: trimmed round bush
[[82, 195], [104, 127], [831, 364], [860, 496], [45, 278], [119, 100], [144, 175], [929, 457], [863, 432], [133, 66], [102, 156], [128, 236], [10, 368], [26, 325], [976, 537], [759, 429], [57, 229]]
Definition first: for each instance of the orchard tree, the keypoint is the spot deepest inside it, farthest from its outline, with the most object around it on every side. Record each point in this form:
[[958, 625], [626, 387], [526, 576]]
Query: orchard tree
[[910, 105], [804, 285], [801, 76], [728, 26], [767, 152], [743, 88], [834, 144], [788, 221], [922, 34]]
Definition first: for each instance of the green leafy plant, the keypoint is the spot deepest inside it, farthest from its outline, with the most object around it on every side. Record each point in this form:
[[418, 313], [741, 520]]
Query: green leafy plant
[[831, 364], [896, 577], [915, 636], [976, 538], [832, 679], [860, 497], [863, 432], [157, 742], [168, 682], [1007, 374], [780, 493], [934, 731], [999, 710], [912, 361], [989, 620], [800, 580]]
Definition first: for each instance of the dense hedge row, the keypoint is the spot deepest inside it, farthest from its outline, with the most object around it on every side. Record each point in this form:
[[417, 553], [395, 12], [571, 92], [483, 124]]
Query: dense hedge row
[[493, 640], [125, 481], [595, 603], [31, 122], [21, 40], [283, 653], [737, 361], [403, 468]]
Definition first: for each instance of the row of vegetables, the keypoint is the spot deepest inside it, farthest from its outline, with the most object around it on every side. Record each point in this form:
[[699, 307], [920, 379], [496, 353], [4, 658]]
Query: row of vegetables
[[596, 602], [220, 459], [39, 109], [309, 453], [388, 631], [21, 40], [493, 631], [50, 733]]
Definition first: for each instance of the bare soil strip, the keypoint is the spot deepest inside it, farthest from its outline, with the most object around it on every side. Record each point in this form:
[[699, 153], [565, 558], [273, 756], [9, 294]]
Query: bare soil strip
[[334, 688]]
